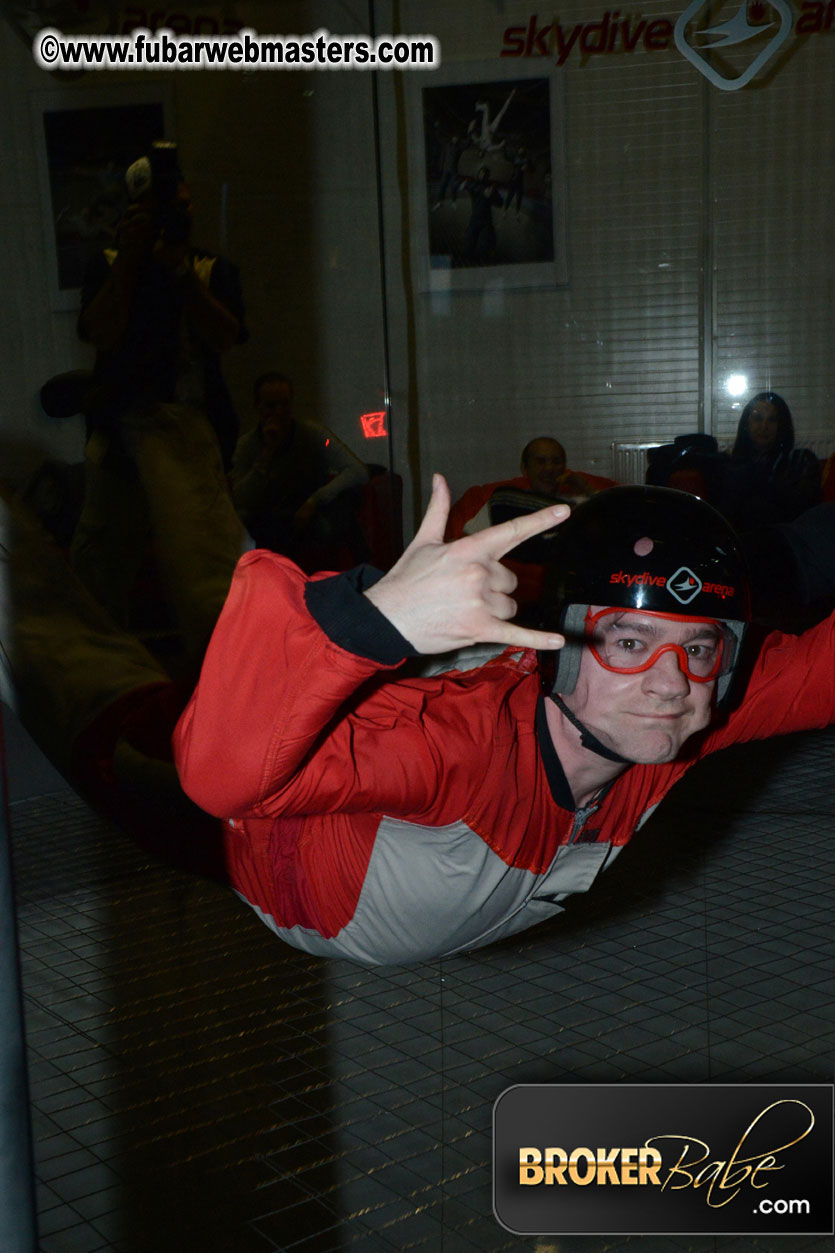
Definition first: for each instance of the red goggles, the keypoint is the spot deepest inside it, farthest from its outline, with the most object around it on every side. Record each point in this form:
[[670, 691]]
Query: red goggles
[[625, 646]]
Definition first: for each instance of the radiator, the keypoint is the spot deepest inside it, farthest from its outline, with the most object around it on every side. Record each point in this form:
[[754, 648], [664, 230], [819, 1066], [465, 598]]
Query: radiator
[[629, 461]]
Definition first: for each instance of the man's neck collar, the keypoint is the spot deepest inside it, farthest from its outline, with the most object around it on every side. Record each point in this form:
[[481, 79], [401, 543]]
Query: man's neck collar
[[586, 772], [587, 737]]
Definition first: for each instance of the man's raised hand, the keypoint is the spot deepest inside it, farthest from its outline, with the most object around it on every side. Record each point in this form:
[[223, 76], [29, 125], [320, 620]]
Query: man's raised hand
[[444, 596]]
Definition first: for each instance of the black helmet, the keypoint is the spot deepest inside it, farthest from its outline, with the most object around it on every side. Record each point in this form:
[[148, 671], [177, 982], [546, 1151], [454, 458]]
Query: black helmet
[[647, 548]]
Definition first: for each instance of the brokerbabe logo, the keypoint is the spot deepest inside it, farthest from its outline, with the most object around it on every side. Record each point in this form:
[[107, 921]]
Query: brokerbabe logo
[[674, 1159]]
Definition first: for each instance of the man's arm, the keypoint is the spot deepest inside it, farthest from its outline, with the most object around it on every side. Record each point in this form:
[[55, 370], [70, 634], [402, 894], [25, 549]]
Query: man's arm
[[108, 290], [791, 688], [249, 474], [267, 730], [214, 304], [215, 315], [345, 472], [344, 469], [272, 681], [213, 322]]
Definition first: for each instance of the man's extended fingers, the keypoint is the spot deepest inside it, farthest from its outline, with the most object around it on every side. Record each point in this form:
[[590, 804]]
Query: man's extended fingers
[[523, 637], [499, 540], [431, 529]]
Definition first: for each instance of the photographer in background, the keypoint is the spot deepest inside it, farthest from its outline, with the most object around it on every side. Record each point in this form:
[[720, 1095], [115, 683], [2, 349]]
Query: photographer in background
[[161, 425]]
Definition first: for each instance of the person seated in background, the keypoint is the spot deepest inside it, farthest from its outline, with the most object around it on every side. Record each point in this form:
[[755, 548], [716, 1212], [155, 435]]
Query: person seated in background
[[790, 561], [544, 462], [544, 473], [294, 483], [691, 463], [769, 479], [545, 478]]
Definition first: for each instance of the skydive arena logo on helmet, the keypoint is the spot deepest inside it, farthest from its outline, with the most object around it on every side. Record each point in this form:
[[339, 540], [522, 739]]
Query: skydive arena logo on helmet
[[684, 585], [638, 580]]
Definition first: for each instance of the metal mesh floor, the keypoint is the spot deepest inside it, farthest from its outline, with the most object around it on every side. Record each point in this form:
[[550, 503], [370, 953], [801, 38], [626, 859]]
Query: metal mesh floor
[[199, 1088]]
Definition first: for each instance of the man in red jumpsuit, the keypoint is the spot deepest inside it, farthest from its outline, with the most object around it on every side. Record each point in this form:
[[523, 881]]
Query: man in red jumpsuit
[[388, 816]]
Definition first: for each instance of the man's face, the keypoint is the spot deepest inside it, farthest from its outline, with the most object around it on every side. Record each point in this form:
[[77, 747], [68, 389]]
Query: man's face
[[545, 466], [275, 409], [645, 716]]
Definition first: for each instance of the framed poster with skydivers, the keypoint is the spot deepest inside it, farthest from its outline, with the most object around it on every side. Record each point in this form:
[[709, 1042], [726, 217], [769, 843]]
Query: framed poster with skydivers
[[488, 177]]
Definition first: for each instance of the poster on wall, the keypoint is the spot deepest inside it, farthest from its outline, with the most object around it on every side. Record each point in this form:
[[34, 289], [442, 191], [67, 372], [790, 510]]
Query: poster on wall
[[86, 139], [489, 189]]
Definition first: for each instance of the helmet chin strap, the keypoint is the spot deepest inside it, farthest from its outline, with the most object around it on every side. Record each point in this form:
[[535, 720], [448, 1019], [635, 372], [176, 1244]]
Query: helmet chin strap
[[587, 738]]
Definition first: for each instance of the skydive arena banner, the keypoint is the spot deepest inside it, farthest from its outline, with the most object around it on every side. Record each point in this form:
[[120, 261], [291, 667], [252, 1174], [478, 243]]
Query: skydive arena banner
[[754, 30]]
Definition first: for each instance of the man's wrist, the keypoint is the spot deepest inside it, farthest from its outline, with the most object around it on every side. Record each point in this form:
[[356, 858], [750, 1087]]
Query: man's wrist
[[350, 619]]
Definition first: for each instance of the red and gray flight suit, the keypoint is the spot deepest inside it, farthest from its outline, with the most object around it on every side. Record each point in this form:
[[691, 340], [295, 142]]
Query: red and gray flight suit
[[390, 819]]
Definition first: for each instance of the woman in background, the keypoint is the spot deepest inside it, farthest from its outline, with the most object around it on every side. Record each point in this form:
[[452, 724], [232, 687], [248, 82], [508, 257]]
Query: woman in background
[[770, 479]]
